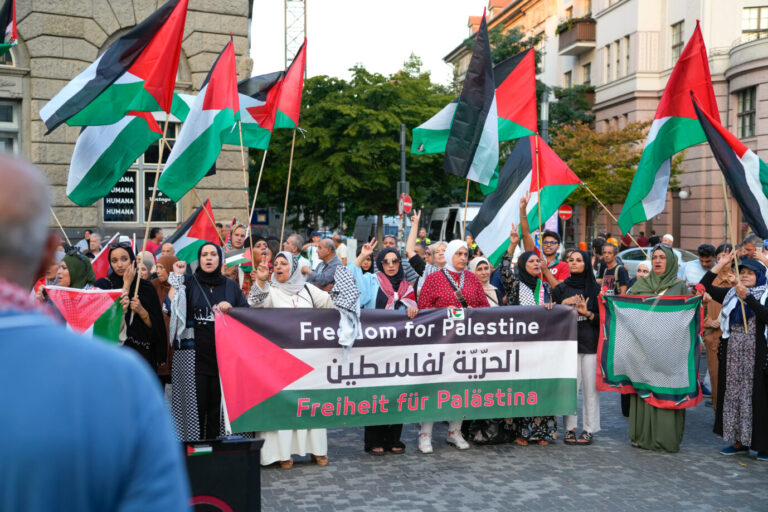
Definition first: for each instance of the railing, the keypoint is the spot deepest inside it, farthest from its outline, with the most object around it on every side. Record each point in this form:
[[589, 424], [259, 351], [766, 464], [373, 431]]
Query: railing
[[580, 31]]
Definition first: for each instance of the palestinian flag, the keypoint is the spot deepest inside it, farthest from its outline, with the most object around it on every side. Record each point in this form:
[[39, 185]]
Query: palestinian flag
[[674, 128], [291, 87], [91, 312], [239, 257], [257, 109], [659, 363], [100, 262], [472, 150], [8, 22], [501, 208], [515, 81], [209, 121], [136, 73], [745, 172], [103, 153], [196, 230]]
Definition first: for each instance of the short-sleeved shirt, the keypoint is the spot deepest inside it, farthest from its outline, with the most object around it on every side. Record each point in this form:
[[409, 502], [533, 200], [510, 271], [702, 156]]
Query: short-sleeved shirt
[[614, 278]]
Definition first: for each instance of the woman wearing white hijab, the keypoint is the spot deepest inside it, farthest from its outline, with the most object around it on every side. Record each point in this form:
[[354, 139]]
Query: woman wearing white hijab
[[481, 267], [452, 287], [288, 289]]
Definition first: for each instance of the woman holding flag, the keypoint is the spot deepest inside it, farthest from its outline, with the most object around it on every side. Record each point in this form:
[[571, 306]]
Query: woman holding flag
[[741, 415], [527, 289], [145, 329], [651, 427]]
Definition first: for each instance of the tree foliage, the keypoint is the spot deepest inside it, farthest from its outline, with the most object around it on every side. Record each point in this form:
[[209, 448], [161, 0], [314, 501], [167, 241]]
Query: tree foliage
[[349, 148], [605, 161]]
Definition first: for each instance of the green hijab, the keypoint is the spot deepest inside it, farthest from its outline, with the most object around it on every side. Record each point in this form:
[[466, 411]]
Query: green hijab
[[80, 271], [654, 284]]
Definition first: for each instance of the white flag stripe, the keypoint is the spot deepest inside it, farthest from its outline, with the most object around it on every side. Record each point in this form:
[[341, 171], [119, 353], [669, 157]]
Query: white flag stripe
[[69, 90]]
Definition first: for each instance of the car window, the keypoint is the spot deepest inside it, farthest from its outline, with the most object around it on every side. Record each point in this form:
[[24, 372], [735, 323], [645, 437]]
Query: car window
[[633, 255], [688, 256], [434, 230]]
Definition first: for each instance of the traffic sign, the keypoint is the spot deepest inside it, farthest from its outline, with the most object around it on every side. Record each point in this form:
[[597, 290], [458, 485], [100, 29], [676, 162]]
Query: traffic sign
[[406, 204], [565, 212]]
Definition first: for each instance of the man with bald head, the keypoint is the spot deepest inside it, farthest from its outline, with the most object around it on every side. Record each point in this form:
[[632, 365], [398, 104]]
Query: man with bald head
[[323, 275], [85, 423], [167, 249]]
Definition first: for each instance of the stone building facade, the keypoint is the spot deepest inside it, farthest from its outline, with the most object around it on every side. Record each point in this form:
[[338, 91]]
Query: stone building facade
[[57, 40]]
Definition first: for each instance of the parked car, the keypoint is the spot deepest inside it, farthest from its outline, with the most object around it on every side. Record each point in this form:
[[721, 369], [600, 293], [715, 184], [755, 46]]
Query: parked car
[[631, 257]]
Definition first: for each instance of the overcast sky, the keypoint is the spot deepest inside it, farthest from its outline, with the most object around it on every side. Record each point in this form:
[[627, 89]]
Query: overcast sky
[[378, 35]]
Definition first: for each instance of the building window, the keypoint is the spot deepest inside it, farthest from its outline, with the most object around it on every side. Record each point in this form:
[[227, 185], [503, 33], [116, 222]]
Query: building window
[[626, 55], [677, 41], [607, 52], [542, 50], [567, 79], [586, 73], [9, 127], [746, 113], [617, 56], [754, 23], [122, 204]]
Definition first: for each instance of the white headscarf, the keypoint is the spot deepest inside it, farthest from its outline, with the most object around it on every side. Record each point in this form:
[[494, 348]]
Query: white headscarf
[[450, 250], [296, 281]]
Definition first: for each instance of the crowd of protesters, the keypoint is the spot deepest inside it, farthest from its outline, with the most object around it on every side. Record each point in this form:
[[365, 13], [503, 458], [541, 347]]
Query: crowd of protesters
[[169, 323]]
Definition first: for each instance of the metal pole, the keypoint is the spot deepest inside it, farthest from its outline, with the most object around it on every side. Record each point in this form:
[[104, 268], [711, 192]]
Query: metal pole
[[402, 152]]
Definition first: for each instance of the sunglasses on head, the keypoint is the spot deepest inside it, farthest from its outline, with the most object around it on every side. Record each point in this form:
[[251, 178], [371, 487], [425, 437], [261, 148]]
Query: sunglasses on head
[[122, 245]]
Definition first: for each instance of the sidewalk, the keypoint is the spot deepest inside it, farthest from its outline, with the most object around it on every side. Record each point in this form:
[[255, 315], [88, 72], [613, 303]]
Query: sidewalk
[[609, 475]]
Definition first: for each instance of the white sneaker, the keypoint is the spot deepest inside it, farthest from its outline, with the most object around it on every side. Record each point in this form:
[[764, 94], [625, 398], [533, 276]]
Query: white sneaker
[[425, 443], [456, 439]]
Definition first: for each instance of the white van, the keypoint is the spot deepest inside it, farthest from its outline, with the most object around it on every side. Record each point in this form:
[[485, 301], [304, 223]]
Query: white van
[[445, 223]]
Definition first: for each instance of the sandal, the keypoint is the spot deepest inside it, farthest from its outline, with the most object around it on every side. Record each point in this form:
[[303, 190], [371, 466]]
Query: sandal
[[378, 451], [286, 464], [542, 442], [320, 460], [585, 438], [521, 442], [397, 448], [570, 437]]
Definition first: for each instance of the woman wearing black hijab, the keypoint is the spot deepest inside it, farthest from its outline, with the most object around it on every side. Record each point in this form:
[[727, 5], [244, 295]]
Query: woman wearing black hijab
[[196, 395], [580, 291], [145, 328]]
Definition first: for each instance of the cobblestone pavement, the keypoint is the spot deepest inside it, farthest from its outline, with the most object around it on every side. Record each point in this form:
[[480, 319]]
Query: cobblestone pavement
[[609, 475]]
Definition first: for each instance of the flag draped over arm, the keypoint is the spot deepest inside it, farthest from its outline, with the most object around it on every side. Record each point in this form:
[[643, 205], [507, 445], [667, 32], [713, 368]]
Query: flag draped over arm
[[674, 128], [210, 119], [136, 73]]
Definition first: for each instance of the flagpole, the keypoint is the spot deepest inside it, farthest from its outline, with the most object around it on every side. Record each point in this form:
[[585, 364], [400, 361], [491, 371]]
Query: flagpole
[[213, 223], [151, 206], [287, 188], [60, 227], [258, 183], [464, 224], [245, 189], [614, 218], [538, 183], [729, 220]]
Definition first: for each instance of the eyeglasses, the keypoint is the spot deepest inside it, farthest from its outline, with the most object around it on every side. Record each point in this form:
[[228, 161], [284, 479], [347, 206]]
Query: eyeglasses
[[390, 262], [550, 242]]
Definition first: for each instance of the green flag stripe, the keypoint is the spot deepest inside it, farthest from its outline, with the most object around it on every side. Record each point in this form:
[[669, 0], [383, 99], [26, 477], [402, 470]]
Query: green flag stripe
[[189, 166], [107, 326], [673, 136], [510, 130], [110, 106]]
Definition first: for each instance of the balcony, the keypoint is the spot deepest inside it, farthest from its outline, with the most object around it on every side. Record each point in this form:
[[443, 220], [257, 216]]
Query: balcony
[[576, 36]]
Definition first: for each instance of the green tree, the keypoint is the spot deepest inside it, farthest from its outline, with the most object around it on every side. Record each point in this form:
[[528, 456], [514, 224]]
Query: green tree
[[605, 161], [349, 148]]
